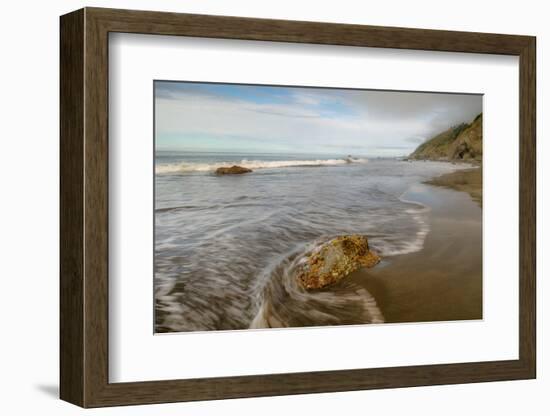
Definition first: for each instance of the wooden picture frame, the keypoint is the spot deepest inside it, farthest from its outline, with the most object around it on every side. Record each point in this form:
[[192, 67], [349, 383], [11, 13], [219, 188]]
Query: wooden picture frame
[[84, 207]]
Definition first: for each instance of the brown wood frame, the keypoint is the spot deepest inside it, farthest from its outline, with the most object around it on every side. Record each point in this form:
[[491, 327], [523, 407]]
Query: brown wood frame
[[84, 207]]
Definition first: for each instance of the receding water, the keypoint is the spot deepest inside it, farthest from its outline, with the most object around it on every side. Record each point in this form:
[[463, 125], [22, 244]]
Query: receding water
[[226, 247]]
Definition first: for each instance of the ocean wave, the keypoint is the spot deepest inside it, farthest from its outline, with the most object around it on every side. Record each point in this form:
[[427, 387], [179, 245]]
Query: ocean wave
[[183, 167], [228, 260]]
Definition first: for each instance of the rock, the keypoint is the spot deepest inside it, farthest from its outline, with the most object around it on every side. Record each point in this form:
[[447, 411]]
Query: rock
[[233, 170], [334, 260]]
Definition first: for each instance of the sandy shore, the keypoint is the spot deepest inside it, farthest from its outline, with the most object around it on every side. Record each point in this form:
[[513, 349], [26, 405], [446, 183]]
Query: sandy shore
[[443, 281], [469, 180]]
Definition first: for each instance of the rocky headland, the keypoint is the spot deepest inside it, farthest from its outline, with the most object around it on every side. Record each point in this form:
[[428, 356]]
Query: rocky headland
[[462, 142]]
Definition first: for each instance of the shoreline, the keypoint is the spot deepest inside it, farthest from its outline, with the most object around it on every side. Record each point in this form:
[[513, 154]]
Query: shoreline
[[442, 281], [438, 280], [464, 180]]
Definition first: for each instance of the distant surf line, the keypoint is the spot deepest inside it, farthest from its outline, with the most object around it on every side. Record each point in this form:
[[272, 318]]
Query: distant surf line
[[167, 168]]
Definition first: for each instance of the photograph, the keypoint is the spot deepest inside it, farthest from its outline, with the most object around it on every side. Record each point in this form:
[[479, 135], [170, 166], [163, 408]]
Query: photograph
[[286, 206], [297, 206]]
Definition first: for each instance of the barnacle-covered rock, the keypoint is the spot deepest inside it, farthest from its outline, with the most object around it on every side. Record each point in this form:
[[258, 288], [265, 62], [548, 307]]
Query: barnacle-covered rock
[[334, 260]]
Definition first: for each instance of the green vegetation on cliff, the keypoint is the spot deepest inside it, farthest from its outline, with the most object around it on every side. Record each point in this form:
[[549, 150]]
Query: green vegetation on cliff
[[460, 142]]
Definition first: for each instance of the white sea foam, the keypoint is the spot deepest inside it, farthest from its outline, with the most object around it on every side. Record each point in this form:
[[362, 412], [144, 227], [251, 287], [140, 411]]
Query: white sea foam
[[419, 215], [283, 302], [250, 164]]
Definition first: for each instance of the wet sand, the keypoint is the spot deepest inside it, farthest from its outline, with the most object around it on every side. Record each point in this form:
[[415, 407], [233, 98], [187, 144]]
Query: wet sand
[[469, 180], [443, 281]]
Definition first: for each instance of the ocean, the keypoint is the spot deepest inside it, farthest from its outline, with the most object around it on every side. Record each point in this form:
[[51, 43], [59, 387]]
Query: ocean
[[227, 247]]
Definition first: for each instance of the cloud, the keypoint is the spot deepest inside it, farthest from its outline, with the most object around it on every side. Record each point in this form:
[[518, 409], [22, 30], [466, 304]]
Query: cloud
[[305, 119]]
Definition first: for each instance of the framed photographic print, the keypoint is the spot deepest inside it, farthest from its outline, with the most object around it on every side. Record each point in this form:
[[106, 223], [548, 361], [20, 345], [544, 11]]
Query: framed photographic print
[[255, 207]]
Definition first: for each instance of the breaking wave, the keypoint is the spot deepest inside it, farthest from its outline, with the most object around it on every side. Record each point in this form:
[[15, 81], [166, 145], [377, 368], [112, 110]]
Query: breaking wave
[[251, 164]]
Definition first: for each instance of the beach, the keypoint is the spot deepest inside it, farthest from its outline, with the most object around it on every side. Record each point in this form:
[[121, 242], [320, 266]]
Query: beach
[[440, 282], [443, 281], [291, 206], [228, 248], [466, 180]]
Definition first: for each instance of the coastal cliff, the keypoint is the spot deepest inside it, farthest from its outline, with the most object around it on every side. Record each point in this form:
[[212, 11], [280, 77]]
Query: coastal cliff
[[460, 142]]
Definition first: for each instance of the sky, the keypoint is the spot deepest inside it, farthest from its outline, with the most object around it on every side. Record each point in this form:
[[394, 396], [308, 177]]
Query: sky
[[211, 117]]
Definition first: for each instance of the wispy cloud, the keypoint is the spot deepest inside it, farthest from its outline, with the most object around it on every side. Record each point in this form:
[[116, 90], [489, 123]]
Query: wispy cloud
[[225, 116]]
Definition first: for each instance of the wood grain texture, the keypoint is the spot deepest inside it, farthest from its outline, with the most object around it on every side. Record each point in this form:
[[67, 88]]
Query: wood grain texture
[[85, 217], [96, 209], [226, 27], [71, 208], [527, 207]]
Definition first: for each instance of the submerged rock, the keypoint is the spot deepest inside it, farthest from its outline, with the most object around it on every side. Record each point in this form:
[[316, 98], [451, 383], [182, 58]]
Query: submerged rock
[[335, 259], [233, 170]]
